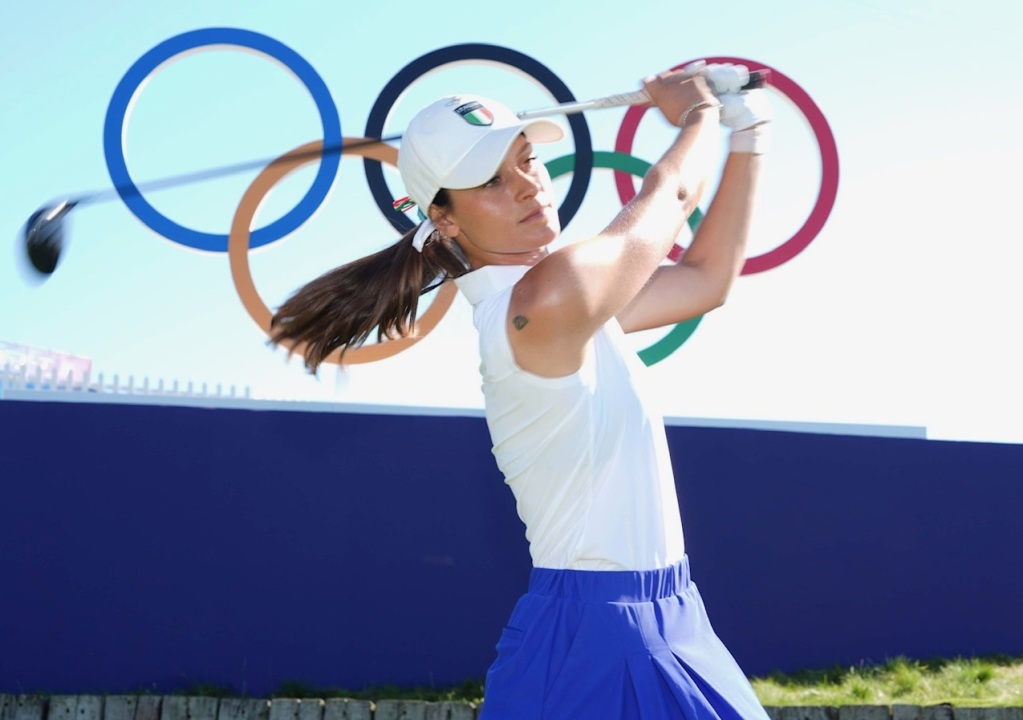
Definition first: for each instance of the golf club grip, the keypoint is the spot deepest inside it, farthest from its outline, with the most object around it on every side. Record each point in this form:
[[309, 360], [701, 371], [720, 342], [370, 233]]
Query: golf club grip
[[757, 79]]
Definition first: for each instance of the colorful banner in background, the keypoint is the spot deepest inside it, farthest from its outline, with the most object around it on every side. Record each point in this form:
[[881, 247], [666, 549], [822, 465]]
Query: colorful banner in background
[[867, 305]]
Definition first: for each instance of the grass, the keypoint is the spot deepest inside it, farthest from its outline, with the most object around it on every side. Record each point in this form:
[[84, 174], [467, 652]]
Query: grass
[[975, 682], [972, 682]]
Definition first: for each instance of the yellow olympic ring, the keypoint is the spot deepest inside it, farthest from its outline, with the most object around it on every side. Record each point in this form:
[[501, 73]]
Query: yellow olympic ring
[[241, 232]]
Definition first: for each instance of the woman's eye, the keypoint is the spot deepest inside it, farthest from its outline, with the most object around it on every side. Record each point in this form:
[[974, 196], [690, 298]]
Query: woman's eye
[[492, 182]]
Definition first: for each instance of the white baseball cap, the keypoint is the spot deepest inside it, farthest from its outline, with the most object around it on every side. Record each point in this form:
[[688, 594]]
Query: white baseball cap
[[460, 141]]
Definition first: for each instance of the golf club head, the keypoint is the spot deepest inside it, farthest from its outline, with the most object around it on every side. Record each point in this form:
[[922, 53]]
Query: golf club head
[[44, 236]]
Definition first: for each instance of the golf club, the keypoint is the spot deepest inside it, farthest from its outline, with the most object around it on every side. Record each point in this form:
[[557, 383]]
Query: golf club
[[43, 234]]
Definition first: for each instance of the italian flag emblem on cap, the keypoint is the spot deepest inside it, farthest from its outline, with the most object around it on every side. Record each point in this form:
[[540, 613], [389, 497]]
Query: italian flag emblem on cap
[[475, 114]]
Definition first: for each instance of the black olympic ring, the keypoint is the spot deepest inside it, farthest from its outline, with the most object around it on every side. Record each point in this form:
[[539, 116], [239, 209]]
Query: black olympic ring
[[461, 53]]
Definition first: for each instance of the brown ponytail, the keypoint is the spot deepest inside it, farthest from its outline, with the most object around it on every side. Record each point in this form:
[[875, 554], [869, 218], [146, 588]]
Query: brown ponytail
[[341, 308]]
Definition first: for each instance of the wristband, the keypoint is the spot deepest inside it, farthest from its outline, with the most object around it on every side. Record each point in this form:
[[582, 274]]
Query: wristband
[[755, 140]]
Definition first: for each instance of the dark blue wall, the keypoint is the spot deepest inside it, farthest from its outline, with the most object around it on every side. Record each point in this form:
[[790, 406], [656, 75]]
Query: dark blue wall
[[160, 547]]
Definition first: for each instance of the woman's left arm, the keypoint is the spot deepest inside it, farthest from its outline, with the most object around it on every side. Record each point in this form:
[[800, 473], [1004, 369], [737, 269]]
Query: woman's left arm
[[703, 277]]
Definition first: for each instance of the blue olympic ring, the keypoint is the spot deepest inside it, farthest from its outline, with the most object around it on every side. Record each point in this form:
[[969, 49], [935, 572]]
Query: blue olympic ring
[[462, 53], [130, 85]]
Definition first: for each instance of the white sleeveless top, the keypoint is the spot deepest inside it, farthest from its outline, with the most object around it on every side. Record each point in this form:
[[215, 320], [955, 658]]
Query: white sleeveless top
[[585, 455]]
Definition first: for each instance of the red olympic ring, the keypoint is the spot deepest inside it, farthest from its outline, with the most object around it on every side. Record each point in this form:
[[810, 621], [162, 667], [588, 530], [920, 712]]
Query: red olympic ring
[[829, 164]]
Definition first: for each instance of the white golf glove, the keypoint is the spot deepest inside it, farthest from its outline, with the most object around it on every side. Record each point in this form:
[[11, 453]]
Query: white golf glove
[[748, 114], [721, 77], [741, 111]]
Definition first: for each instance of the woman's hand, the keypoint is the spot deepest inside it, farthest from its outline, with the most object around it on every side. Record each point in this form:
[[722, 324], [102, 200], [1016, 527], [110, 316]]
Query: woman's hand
[[678, 93]]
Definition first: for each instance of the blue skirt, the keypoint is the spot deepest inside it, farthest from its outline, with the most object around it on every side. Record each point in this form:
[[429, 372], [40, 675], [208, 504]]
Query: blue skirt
[[598, 645]]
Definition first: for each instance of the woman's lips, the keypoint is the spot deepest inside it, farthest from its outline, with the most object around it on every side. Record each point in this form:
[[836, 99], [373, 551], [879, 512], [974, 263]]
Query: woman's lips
[[535, 215]]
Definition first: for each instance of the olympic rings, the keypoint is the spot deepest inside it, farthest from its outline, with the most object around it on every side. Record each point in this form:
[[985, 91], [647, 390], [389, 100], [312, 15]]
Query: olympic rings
[[464, 53], [581, 163], [241, 275], [130, 85], [627, 163], [829, 164]]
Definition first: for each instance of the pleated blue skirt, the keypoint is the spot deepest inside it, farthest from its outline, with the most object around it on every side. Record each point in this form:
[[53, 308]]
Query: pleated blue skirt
[[597, 645]]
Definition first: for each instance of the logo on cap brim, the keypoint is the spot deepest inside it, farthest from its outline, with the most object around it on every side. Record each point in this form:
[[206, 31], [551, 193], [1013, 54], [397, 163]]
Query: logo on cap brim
[[475, 114]]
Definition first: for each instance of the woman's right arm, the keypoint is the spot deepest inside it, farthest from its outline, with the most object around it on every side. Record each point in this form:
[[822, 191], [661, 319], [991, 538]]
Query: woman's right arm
[[566, 297]]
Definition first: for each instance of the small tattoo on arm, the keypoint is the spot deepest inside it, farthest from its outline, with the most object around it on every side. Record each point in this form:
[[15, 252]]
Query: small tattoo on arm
[[519, 321]]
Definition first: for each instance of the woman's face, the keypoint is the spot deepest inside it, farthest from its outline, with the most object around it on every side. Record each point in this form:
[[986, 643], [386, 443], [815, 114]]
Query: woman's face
[[509, 220]]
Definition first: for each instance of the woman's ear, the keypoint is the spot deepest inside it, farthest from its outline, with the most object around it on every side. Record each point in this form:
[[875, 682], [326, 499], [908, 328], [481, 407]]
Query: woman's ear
[[444, 223]]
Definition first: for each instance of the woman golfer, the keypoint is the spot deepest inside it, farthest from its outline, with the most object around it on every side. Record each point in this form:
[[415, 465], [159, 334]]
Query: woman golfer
[[611, 626]]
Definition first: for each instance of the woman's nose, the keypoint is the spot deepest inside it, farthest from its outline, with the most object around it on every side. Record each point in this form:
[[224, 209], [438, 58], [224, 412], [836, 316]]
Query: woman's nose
[[527, 184]]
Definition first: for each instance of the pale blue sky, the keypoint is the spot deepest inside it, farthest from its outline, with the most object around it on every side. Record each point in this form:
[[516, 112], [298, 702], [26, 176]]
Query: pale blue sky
[[898, 313]]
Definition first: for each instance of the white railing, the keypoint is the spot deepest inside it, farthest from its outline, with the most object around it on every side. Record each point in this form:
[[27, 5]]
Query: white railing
[[24, 383]]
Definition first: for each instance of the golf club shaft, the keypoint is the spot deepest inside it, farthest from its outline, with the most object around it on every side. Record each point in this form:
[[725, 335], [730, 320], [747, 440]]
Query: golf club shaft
[[757, 78], [211, 173]]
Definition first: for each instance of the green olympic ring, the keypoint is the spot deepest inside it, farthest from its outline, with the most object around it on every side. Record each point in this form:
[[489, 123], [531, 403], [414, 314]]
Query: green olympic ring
[[634, 166]]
